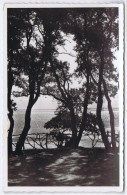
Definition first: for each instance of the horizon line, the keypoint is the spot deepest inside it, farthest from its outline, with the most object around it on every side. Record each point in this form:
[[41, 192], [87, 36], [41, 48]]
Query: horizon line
[[55, 109]]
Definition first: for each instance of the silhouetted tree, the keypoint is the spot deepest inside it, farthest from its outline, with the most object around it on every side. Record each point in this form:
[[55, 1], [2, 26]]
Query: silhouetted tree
[[86, 39], [101, 32], [107, 40], [38, 58], [14, 38], [32, 64]]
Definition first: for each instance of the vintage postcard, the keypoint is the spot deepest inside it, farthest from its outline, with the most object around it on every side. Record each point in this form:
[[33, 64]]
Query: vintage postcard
[[63, 98]]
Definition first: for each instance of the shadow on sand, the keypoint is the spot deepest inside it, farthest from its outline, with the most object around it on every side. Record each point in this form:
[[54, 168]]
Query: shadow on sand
[[64, 167]]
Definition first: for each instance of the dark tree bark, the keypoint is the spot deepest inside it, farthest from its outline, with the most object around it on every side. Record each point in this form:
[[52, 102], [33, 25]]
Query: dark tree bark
[[73, 128], [26, 128], [111, 115], [21, 141], [32, 101], [99, 105], [10, 131], [100, 121], [84, 116], [110, 112], [10, 110]]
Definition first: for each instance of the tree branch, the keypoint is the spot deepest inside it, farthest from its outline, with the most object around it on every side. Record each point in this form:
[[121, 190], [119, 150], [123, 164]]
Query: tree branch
[[59, 53], [57, 98], [94, 80], [37, 42], [58, 82]]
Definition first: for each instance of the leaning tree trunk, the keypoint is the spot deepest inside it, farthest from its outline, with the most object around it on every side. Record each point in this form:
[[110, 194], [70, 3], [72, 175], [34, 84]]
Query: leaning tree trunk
[[111, 115], [99, 106], [10, 110], [21, 141], [100, 122], [84, 117], [32, 101]]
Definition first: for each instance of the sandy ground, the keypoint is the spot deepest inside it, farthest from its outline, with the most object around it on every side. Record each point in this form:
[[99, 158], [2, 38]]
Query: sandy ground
[[64, 167]]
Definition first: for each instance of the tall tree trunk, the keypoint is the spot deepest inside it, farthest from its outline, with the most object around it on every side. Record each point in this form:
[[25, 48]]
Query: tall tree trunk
[[111, 115], [73, 128], [10, 131], [84, 116], [99, 105], [10, 114], [100, 122], [26, 128], [45, 58], [32, 101]]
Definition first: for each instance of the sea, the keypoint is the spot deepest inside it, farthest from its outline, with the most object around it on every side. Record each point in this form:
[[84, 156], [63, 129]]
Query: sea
[[40, 116]]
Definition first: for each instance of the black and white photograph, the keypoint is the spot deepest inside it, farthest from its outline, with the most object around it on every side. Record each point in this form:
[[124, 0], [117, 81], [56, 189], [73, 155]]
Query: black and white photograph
[[64, 96]]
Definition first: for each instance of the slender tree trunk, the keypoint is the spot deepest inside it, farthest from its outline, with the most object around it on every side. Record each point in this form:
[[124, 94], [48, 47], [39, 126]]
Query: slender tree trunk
[[100, 122], [10, 114], [111, 115], [10, 131], [32, 101], [73, 128], [26, 128], [99, 106], [84, 116]]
